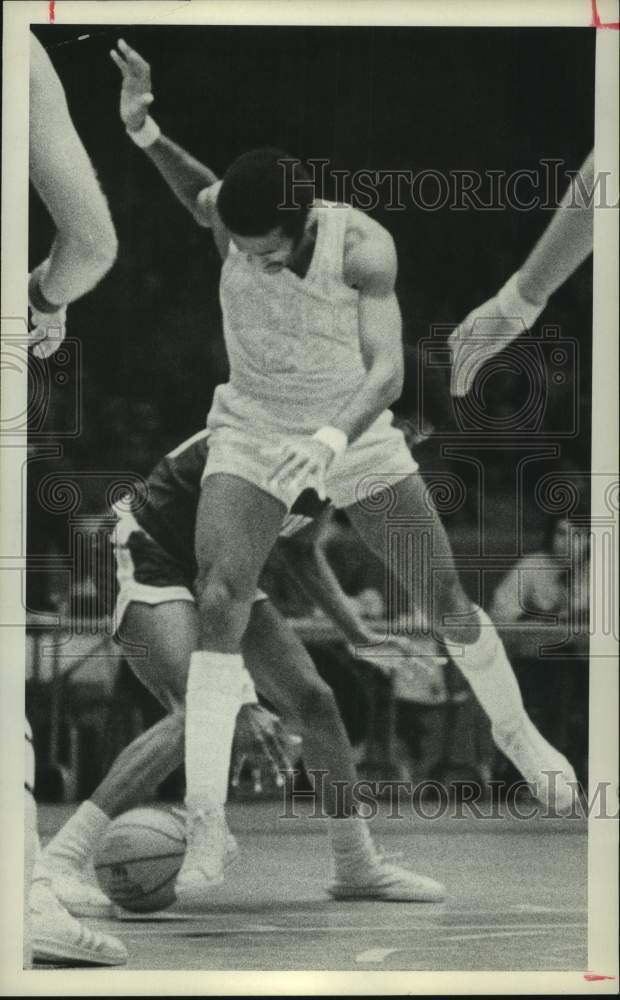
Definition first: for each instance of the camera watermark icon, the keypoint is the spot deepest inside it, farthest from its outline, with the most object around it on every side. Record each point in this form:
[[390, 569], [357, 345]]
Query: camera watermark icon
[[544, 373], [30, 385]]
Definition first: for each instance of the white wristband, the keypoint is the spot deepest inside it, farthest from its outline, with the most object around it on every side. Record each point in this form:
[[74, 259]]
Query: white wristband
[[514, 306], [146, 135], [333, 437], [248, 691]]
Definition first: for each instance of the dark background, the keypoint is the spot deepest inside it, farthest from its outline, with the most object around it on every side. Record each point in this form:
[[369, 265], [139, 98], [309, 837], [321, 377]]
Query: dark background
[[151, 349]]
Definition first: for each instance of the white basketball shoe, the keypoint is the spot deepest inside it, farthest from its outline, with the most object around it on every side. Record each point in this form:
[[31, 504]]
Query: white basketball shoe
[[548, 772], [210, 849], [382, 880], [59, 937]]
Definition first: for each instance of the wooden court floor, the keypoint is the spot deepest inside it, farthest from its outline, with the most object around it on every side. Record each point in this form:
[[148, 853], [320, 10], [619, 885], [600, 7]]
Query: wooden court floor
[[517, 900]]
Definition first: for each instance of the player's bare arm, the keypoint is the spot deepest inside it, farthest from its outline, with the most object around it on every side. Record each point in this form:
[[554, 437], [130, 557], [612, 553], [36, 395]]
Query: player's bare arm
[[564, 245], [192, 182], [370, 266], [306, 561], [566, 242], [85, 244]]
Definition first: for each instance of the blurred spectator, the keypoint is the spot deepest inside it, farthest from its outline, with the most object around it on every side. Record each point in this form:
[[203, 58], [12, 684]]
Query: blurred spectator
[[552, 581], [541, 608]]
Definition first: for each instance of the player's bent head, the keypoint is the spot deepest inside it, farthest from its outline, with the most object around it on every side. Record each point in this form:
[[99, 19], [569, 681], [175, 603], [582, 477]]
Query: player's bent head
[[263, 191]]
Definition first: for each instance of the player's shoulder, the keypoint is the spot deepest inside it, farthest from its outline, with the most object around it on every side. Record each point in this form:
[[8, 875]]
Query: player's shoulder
[[370, 261], [206, 205], [206, 214]]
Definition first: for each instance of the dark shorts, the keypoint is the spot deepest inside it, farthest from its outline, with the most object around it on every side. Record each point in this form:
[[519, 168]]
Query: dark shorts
[[146, 573]]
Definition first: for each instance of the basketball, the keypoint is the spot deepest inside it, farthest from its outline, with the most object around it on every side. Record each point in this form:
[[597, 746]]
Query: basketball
[[139, 858]]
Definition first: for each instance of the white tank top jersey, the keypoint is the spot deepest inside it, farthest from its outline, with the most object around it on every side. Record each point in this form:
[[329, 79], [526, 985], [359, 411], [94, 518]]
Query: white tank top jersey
[[293, 343]]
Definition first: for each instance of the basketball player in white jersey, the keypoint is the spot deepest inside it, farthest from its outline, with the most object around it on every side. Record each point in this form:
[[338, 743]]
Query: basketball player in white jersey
[[565, 244], [156, 615], [313, 334], [83, 250]]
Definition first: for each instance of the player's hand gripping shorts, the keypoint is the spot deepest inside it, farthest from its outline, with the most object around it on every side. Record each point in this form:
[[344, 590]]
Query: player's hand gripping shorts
[[379, 456]]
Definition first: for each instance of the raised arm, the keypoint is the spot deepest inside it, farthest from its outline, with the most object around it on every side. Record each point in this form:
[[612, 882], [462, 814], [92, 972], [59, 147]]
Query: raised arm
[[191, 181], [565, 244], [85, 245]]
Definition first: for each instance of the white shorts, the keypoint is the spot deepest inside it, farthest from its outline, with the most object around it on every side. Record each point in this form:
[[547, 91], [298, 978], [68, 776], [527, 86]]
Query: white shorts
[[379, 457]]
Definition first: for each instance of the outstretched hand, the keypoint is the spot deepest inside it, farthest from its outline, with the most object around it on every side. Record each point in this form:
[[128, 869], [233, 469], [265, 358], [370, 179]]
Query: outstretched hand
[[484, 332], [262, 743], [136, 95]]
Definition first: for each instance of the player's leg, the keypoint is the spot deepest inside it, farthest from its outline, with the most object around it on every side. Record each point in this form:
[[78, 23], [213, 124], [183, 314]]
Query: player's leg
[[467, 632], [285, 674], [158, 641], [236, 526], [50, 932]]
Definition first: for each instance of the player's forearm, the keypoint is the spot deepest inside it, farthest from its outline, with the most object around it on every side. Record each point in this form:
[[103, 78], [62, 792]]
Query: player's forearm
[[85, 245], [184, 174], [314, 573], [381, 388], [74, 267], [565, 244]]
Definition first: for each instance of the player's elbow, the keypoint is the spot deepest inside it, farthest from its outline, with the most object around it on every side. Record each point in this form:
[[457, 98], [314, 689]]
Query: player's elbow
[[106, 248], [98, 253]]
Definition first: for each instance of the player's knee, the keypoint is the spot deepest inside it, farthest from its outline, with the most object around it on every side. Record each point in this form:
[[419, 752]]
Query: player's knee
[[222, 586], [215, 602]]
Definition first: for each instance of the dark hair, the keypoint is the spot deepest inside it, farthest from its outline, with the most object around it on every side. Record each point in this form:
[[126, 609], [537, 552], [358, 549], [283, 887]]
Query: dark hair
[[265, 189]]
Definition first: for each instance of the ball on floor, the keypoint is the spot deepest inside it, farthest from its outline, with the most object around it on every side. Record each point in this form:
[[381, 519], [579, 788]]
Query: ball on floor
[[139, 858]]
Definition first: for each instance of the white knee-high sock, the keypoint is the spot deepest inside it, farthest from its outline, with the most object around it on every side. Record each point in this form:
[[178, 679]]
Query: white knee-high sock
[[214, 688], [352, 848], [487, 668], [75, 842]]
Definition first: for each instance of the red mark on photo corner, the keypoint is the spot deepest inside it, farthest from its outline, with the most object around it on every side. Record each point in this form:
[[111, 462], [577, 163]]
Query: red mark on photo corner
[[596, 19], [593, 977], [52, 11]]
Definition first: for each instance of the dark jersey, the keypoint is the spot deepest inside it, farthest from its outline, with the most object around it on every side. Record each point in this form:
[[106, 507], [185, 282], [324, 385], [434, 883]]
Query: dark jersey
[[168, 512]]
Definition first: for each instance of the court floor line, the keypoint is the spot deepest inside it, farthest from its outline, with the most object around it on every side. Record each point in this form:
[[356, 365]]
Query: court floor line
[[162, 916], [484, 930], [375, 955], [534, 932]]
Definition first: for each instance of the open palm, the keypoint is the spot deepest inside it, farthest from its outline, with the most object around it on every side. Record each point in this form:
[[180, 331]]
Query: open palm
[[136, 93]]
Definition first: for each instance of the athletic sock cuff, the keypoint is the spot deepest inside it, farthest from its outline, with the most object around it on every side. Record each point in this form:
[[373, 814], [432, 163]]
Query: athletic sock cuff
[[217, 672]]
